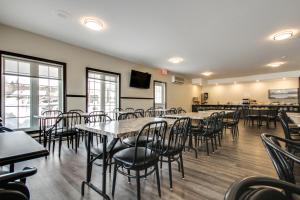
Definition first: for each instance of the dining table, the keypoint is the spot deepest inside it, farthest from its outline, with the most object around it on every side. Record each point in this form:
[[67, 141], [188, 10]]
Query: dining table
[[295, 118], [18, 146], [111, 132], [200, 115]]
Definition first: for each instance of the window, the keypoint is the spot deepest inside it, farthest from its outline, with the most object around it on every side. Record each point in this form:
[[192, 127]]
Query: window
[[159, 94], [102, 90], [28, 88]]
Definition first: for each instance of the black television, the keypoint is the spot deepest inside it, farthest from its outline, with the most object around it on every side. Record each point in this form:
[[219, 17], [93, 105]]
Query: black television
[[140, 79]]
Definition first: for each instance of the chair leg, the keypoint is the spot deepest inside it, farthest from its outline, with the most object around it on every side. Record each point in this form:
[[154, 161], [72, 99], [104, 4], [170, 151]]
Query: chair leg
[[114, 180], [181, 163], [129, 179], [59, 146], [157, 180], [170, 173], [207, 148], [138, 184]]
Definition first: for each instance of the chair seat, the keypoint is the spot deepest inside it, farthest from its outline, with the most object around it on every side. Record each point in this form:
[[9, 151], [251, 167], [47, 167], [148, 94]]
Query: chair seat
[[264, 194], [144, 159], [132, 140], [97, 150]]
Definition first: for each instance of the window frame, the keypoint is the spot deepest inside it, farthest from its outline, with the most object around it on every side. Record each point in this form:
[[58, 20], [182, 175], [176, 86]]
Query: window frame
[[166, 92], [89, 69], [38, 59]]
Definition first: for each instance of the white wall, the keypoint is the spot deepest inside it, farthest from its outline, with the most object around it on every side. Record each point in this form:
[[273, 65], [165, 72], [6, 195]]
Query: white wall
[[77, 59], [234, 93]]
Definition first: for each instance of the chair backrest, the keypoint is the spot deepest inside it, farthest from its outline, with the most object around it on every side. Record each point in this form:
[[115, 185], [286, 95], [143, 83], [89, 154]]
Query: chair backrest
[[50, 119], [261, 188], [153, 133], [76, 110], [181, 111], [171, 111], [177, 136], [129, 115], [68, 121], [210, 123], [117, 109], [139, 113], [150, 113], [285, 126], [97, 116], [282, 158], [129, 109]]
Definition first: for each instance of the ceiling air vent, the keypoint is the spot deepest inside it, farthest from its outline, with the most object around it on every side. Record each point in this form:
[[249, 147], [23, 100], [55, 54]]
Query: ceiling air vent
[[177, 80]]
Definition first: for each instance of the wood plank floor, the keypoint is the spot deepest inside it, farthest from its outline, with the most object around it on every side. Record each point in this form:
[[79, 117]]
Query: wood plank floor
[[207, 177]]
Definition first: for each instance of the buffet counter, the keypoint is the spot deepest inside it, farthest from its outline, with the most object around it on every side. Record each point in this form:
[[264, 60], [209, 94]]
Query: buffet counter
[[287, 108]]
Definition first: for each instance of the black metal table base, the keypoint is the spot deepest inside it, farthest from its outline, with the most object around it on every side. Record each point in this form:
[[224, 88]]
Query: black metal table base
[[96, 189]]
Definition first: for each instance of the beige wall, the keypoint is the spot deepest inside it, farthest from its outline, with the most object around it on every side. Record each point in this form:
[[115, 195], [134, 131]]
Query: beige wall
[[255, 90], [77, 59]]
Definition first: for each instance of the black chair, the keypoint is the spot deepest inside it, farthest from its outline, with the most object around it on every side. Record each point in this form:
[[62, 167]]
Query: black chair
[[139, 113], [283, 159], [174, 144], [289, 125], [125, 116], [205, 131], [129, 109], [141, 158], [289, 133], [77, 110], [171, 111], [262, 188], [181, 111], [252, 116], [233, 124], [131, 140], [150, 113], [64, 129], [48, 122], [11, 189], [272, 117]]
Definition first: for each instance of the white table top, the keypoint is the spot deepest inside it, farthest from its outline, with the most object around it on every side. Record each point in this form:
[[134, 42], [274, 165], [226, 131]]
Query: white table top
[[119, 129], [295, 117], [200, 115]]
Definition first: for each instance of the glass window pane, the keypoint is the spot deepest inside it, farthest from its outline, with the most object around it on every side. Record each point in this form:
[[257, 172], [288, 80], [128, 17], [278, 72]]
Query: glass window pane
[[24, 111], [53, 72], [11, 66], [11, 100], [43, 81], [11, 123], [43, 70], [24, 100], [11, 112], [11, 79], [11, 89], [24, 68], [24, 122], [24, 80], [54, 82]]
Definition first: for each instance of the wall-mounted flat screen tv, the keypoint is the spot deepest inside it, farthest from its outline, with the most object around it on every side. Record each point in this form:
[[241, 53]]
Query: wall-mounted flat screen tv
[[140, 79]]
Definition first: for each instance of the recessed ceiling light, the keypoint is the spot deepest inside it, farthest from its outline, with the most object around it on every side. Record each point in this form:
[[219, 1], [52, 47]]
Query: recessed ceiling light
[[92, 23], [175, 60], [257, 80], [283, 35], [275, 64], [283, 78], [207, 73]]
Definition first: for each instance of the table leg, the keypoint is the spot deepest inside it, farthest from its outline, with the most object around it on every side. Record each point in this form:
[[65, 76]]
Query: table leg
[[40, 132], [104, 165]]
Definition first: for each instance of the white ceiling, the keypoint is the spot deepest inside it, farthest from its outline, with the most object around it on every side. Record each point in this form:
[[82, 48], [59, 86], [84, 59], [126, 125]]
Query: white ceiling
[[227, 37]]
